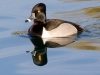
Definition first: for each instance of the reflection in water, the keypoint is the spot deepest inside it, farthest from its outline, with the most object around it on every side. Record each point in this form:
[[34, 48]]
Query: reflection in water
[[39, 54], [93, 11], [86, 45], [20, 32]]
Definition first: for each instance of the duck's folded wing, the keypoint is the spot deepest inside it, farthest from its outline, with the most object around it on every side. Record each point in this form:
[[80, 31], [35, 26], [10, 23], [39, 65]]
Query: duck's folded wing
[[54, 23]]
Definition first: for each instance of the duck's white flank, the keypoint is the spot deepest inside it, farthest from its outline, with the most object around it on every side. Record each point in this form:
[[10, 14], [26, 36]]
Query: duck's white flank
[[64, 30]]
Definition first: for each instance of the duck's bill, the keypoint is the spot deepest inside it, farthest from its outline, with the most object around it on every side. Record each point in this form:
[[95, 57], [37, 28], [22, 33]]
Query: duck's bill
[[32, 17], [28, 20]]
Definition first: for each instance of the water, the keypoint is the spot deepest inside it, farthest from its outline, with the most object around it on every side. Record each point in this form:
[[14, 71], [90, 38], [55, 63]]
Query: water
[[76, 56]]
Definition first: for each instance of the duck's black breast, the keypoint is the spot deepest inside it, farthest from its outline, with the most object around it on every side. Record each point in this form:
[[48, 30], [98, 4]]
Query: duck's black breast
[[54, 23], [35, 30]]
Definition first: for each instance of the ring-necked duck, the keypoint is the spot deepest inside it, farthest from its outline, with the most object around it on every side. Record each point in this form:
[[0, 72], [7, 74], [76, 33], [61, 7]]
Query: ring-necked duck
[[46, 28]]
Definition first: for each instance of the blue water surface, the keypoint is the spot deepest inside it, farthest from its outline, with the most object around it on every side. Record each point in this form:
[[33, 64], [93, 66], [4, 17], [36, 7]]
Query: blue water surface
[[77, 58]]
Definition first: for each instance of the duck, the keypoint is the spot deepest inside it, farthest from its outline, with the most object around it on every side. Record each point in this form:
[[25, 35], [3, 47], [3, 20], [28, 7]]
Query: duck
[[48, 28]]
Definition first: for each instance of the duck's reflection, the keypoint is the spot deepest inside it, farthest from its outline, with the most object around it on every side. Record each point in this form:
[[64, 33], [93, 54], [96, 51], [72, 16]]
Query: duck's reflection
[[39, 54]]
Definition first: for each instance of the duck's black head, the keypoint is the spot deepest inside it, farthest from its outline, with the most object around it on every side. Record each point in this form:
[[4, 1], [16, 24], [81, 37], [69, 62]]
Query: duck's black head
[[38, 13]]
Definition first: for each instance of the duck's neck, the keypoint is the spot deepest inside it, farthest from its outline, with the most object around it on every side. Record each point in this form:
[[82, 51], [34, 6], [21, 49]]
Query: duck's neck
[[36, 29]]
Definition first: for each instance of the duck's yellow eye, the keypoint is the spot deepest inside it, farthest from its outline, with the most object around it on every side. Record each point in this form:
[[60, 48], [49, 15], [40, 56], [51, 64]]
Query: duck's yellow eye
[[38, 11]]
